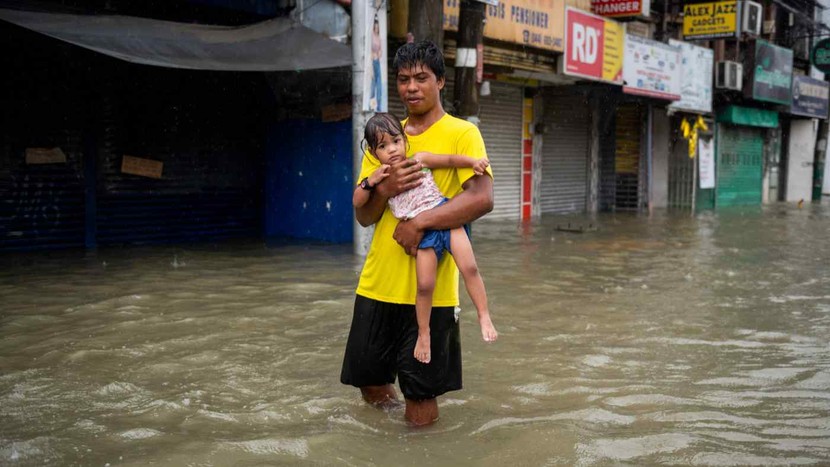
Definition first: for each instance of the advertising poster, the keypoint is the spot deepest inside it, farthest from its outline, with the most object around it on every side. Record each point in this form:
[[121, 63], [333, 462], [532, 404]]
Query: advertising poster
[[710, 20], [696, 65], [771, 73], [706, 156], [651, 68], [593, 47], [534, 23], [375, 97], [810, 97]]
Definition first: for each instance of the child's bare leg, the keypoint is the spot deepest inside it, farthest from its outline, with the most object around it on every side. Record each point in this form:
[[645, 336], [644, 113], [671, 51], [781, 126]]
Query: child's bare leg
[[462, 253], [426, 267]]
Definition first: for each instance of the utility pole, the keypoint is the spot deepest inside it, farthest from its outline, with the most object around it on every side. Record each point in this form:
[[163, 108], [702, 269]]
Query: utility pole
[[468, 59], [360, 29], [426, 21]]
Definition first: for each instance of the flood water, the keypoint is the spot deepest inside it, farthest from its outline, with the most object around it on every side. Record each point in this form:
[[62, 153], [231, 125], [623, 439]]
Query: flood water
[[667, 339]]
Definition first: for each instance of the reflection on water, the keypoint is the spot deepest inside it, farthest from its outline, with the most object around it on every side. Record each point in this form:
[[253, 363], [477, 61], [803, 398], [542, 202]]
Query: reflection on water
[[667, 339]]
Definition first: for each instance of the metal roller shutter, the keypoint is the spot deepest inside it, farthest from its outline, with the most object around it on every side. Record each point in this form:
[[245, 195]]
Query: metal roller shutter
[[565, 152], [501, 127], [740, 159]]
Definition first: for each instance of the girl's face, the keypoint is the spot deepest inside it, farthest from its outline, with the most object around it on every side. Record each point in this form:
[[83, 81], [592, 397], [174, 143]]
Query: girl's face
[[390, 149]]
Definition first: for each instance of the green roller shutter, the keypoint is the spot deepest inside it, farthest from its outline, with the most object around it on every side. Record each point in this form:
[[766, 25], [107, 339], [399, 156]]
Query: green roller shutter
[[740, 159]]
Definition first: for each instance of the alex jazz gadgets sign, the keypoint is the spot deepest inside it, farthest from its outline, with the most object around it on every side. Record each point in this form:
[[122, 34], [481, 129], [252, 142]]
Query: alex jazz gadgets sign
[[593, 47]]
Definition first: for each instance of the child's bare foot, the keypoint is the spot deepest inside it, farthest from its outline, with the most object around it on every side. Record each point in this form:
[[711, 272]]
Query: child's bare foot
[[488, 331], [422, 351]]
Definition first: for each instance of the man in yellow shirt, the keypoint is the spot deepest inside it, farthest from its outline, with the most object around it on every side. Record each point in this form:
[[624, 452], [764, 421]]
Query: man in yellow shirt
[[384, 328]]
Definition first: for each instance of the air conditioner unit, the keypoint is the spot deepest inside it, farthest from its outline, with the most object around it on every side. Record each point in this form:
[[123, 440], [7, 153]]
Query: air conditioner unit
[[729, 75], [752, 18]]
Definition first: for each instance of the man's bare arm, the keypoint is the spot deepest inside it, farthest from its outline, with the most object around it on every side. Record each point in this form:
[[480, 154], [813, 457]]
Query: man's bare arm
[[403, 176], [475, 201]]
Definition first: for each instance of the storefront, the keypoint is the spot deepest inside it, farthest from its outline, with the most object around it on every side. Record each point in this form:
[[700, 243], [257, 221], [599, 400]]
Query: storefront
[[740, 155], [809, 107]]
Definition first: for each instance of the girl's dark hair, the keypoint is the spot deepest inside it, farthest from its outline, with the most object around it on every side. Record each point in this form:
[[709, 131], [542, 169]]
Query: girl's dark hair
[[379, 124], [424, 53]]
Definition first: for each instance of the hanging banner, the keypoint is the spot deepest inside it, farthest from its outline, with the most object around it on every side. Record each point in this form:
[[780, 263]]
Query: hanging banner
[[695, 78], [621, 8], [706, 156], [810, 97], [375, 97], [771, 72], [594, 47], [710, 20], [651, 68], [534, 23]]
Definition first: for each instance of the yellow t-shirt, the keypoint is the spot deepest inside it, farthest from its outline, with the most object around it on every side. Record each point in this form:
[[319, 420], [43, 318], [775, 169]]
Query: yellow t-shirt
[[389, 273]]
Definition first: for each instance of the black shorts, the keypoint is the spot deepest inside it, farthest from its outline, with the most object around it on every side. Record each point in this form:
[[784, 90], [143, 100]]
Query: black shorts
[[382, 343]]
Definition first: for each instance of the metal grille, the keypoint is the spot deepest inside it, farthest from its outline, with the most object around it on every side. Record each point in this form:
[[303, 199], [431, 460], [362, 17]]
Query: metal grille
[[681, 170], [627, 161], [565, 154]]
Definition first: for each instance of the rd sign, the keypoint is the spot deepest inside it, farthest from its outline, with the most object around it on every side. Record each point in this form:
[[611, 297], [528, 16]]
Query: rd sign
[[593, 47]]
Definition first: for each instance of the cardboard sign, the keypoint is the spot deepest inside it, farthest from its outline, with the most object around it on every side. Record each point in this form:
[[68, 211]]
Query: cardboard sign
[[710, 20], [45, 156], [534, 23], [594, 47], [706, 158], [143, 167]]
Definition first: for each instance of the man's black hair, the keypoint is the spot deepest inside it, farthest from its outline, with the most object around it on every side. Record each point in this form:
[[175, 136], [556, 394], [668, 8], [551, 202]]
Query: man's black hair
[[424, 53]]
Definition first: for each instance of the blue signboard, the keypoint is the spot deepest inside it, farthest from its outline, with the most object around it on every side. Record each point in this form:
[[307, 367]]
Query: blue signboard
[[810, 97]]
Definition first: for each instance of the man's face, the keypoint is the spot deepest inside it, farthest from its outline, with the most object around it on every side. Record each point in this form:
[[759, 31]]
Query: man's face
[[419, 89]]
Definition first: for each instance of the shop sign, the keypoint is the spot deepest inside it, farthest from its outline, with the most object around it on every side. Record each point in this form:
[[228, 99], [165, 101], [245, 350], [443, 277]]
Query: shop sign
[[621, 8], [534, 23], [771, 73], [594, 47], [820, 55], [651, 68], [810, 97], [710, 20], [695, 78]]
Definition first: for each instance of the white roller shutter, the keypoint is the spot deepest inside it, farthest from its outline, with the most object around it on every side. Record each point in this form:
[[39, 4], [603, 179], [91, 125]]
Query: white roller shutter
[[565, 154], [501, 127]]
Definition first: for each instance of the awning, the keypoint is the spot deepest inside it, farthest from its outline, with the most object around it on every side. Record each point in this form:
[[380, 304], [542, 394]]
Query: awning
[[280, 44], [748, 116]]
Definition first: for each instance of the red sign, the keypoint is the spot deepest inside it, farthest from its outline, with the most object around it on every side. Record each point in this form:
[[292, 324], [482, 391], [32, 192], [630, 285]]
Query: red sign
[[620, 7], [593, 46]]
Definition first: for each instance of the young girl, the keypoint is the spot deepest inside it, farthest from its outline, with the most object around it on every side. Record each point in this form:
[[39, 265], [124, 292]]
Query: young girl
[[387, 142]]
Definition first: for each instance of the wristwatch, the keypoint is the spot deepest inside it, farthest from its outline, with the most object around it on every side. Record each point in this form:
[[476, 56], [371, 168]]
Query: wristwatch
[[365, 184]]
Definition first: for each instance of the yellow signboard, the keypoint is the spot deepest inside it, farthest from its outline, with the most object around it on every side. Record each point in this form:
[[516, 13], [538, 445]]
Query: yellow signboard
[[613, 53], [535, 23], [710, 20]]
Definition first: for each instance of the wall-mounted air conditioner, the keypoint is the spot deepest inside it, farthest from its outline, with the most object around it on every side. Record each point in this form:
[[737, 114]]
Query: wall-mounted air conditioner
[[729, 75], [752, 18]]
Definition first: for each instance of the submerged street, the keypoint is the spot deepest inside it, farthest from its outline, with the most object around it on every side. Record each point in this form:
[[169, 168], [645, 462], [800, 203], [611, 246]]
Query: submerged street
[[665, 339]]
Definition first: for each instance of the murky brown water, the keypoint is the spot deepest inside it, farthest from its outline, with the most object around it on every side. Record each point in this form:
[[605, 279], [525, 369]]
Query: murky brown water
[[669, 339]]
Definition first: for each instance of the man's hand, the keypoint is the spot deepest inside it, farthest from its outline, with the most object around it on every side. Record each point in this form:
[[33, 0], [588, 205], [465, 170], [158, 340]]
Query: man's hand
[[409, 236], [403, 176]]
